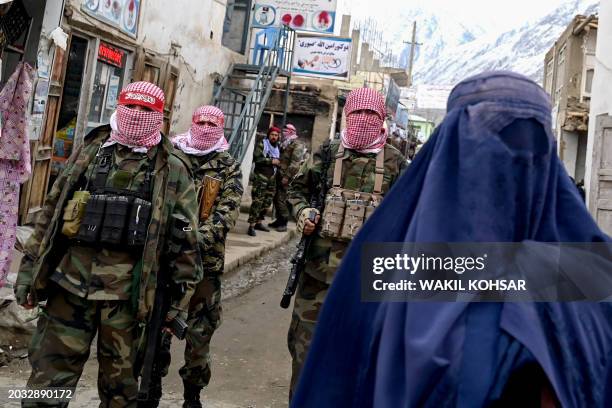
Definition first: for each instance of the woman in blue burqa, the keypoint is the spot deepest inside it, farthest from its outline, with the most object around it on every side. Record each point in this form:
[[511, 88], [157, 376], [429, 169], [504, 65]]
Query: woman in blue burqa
[[490, 173]]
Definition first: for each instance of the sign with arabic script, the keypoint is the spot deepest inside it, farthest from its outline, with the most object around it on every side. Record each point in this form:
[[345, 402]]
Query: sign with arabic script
[[121, 14], [306, 15], [323, 57]]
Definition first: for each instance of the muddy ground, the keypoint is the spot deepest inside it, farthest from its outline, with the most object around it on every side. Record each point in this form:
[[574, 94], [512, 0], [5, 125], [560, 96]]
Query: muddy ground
[[251, 364]]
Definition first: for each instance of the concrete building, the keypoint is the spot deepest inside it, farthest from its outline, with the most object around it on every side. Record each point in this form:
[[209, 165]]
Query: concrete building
[[599, 152], [85, 51], [568, 78], [421, 127]]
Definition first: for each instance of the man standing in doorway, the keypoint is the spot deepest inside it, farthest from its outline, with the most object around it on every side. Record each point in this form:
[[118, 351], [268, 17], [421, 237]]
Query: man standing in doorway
[[293, 152], [266, 159]]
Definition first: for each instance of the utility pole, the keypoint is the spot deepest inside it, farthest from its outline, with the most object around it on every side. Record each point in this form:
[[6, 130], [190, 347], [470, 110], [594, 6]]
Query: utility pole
[[413, 44]]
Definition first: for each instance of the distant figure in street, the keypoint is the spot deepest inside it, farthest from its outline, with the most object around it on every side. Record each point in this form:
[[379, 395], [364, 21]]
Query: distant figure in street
[[361, 164], [266, 159], [293, 152], [218, 183], [489, 173]]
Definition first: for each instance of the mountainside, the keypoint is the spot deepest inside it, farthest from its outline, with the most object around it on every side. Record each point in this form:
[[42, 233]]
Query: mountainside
[[448, 56]]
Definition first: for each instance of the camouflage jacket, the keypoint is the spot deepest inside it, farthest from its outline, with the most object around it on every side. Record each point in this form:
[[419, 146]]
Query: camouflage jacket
[[292, 158], [358, 173], [174, 197], [263, 164], [225, 210]]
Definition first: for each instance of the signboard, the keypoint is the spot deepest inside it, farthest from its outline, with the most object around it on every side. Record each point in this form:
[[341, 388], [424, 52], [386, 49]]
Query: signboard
[[121, 14], [306, 15], [111, 55], [393, 97], [322, 57], [402, 117]]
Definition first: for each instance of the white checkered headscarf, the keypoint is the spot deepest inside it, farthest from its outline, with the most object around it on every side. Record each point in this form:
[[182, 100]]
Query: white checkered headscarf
[[204, 139], [136, 128], [365, 116]]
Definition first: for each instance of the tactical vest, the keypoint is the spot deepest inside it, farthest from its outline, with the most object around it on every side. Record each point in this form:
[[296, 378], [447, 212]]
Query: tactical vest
[[347, 210], [109, 217]]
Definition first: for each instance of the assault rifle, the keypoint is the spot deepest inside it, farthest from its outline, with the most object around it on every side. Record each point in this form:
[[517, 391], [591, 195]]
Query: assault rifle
[[156, 326], [299, 259], [165, 292]]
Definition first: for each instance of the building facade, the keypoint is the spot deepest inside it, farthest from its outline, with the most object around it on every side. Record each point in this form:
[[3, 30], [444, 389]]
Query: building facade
[[569, 68], [599, 151], [85, 51]]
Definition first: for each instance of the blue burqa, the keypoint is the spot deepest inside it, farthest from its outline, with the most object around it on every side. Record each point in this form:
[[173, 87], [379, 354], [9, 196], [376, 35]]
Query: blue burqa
[[490, 173]]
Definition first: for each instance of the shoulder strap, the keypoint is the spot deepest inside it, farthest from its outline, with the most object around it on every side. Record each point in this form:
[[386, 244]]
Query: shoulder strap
[[338, 166], [102, 167], [380, 171]]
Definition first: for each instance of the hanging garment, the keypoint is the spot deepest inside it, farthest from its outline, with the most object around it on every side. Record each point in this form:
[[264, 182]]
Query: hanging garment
[[15, 165]]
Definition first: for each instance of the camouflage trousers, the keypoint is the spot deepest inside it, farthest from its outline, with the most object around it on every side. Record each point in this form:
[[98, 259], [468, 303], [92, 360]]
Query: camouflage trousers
[[280, 201], [62, 341], [204, 318], [263, 190], [308, 302]]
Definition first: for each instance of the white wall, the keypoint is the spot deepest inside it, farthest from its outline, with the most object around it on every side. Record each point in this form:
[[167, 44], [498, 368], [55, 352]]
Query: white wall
[[188, 23], [601, 99]]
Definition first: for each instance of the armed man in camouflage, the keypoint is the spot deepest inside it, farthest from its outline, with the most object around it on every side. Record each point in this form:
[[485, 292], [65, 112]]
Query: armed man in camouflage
[[293, 152], [122, 212], [351, 163], [263, 181], [219, 184]]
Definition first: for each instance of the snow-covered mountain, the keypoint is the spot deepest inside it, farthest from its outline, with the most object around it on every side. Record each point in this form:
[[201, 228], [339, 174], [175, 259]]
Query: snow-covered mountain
[[456, 45], [449, 56]]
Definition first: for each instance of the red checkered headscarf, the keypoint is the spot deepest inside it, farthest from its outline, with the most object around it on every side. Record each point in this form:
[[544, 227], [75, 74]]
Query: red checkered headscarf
[[136, 128], [289, 133], [206, 138], [364, 130]]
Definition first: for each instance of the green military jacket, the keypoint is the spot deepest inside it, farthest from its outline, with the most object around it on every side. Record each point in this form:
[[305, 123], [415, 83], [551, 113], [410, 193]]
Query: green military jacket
[[226, 208], [358, 173], [263, 166], [173, 197], [292, 158]]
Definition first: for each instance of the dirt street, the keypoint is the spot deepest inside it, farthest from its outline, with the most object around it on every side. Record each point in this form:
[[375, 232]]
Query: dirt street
[[251, 364]]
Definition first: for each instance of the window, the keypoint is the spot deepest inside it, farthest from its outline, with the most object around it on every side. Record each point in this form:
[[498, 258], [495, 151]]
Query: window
[[550, 71], [588, 84], [236, 25], [108, 81]]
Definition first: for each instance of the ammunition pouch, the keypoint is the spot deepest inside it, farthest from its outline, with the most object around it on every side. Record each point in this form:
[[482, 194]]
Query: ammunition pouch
[[347, 210], [89, 231], [138, 223], [74, 213], [111, 218], [115, 221]]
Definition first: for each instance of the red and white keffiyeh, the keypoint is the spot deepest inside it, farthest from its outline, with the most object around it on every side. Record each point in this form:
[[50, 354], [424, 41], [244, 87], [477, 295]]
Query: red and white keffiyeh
[[135, 128], [289, 134], [365, 116], [202, 139]]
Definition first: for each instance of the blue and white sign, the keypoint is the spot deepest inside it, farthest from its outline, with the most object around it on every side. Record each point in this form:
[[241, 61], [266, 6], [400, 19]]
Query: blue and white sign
[[317, 16], [323, 57], [121, 14]]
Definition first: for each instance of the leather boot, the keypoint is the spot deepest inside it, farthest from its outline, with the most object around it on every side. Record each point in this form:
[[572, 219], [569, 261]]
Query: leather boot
[[251, 232], [277, 223], [260, 227], [191, 394]]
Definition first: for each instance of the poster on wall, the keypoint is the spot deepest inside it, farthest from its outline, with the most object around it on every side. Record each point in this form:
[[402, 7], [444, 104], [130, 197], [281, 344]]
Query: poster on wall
[[317, 16], [322, 57], [121, 14]]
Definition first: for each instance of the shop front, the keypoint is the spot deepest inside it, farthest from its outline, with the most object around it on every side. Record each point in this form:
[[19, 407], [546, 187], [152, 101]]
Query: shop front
[[101, 56]]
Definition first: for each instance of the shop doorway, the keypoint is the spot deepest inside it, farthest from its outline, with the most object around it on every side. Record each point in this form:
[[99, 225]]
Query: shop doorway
[[69, 109]]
